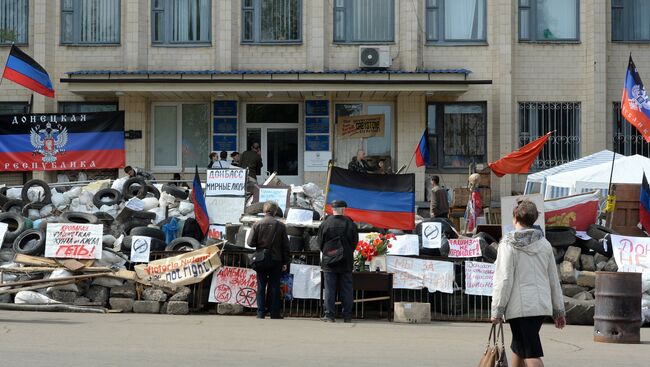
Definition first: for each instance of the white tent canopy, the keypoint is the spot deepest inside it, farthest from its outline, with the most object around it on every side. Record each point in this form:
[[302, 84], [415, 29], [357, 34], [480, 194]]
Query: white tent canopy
[[540, 177], [626, 170]]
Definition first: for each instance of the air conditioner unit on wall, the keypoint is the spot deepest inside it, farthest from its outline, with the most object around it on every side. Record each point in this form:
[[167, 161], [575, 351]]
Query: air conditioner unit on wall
[[374, 57]]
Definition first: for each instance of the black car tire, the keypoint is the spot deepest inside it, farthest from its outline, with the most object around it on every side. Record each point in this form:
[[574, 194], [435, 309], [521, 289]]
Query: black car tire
[[127, 191], [295, 231], [3, 200], [445, 224], [16, 225], [114, 195], [30, 242], [254, 209], [599, 232], [175, 192], [296, 243], [148, 232], [35, 205], [561, 236], [13, 203], [145, 215], [78, 217], [183, 244], [47, 192], [151, 189]]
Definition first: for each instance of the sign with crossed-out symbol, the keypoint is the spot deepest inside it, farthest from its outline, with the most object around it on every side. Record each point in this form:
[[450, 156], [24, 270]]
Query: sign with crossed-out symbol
[[140, 249], [431, 234]]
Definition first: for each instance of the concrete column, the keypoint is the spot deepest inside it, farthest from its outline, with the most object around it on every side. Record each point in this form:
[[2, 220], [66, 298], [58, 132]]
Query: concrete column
[[226, 37], [410, 120], [408, 23], [135, 118], [136, 36], [315, 34], [593, 129]]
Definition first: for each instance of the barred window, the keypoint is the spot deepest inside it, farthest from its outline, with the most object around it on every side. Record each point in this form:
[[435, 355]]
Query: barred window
[[90, 22], [13, 21], [538, 118], [627, 139]]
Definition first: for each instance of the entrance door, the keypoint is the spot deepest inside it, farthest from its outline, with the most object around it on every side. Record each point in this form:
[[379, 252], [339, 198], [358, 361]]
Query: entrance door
[[281, 145]]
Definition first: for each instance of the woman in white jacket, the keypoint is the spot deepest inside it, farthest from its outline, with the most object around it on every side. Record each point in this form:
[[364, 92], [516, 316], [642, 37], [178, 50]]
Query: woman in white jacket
[[526, 286]]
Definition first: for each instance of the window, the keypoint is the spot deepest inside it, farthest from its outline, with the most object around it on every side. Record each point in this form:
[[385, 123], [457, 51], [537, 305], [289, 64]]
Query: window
[[538, 118], [548, 20], [457, 134], [13, 108], [85, 107], [455, 20], [627, 139], [180, 21], [370, 21], [90, 22], [181, 135], [268, 21], [13, 21], [630, 20], [380, 146]]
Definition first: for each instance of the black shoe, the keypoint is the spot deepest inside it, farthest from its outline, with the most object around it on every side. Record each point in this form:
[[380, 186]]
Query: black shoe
[[260, 316], [277, 317], [347, 321], [327, 319]]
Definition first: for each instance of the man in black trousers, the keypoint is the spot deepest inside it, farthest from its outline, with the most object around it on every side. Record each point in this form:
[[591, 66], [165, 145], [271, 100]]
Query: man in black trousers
[[337, 238]]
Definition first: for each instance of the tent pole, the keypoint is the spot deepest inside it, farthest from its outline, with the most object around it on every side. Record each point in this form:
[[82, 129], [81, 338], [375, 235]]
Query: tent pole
[[611, 198]]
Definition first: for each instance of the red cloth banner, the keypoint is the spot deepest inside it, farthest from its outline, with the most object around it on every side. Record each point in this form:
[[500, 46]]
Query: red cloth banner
[[579, 211], [520, 161]]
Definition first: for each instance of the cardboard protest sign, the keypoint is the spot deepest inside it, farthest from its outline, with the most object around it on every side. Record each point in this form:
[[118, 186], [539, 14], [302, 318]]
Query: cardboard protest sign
[[410, 273], [225, 209], [508, 203], [306, 281], [225, 182], [3, 231], [74, 240], [216, 232], [478, 278], [632, 254], [184, 269], [299, 216], [366, 126], [235, 286], [465, 247], [140, 249], [431, 235], [278, 194], [407, 244]]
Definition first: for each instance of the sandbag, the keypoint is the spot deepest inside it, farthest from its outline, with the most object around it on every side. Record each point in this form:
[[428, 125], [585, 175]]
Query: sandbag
[[186, 208], [14, 193], [150, 203], [59, 200], [119, 183], [108, 282], [33, 298], [72, 193], [61, 273]]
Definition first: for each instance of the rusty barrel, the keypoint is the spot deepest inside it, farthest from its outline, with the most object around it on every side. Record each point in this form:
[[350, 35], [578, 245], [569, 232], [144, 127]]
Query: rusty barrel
[[617, 317]]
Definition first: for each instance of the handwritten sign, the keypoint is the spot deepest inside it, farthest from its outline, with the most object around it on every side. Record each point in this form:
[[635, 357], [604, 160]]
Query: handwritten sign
[[632, 254], [431, 235], [140, 249], [407, 244], [226, 182], [188, 268], [225, 209], [279, 195], [410, 273], [465, 247], [235, 286], [478, 278], [366, 126], [299, 216], [3, 231], [306, 281], [216, 232], [74, 241]]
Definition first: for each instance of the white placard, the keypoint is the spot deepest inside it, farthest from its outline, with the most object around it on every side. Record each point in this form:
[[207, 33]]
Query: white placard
[[508, 204], [632, 254], [3, 231], [279, 195], [464, 247], [306, 281], [225, 182], [74, 240], [411, 273], [407, 244], [317, 161], [478, 278], [235, 286], [225, 210], [431, 234], [299, 216], [140, 249], [217, 232]]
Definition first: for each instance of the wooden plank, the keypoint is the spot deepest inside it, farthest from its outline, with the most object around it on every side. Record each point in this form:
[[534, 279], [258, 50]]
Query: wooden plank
[[72, 264], [34, 287], [59, 280], [35, 260]]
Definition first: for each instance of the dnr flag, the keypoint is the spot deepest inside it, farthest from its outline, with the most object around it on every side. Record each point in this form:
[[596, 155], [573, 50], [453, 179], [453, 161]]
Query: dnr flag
[[200, 209], [644, 205], [22, 69], [635, 107], [384, 201]]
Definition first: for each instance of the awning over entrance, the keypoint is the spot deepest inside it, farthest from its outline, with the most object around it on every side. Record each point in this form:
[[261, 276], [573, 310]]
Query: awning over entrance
[[304, 83]]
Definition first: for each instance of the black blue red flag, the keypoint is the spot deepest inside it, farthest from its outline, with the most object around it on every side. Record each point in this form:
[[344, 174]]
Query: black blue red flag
[[644, 205], [384, 201], [22, 69], [635, 106], [422, 150], [200, 209]]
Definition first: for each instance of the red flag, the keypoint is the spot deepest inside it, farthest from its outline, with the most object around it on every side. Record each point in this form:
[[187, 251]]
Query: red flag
[[520, 160], [577, 211]]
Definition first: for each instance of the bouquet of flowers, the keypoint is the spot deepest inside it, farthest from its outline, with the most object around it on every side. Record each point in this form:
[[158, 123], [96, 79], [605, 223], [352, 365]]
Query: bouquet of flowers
[[374, 244]]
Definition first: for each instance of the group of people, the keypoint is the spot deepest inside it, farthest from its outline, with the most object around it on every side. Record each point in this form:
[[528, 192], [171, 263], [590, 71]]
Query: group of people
[[250, 159]]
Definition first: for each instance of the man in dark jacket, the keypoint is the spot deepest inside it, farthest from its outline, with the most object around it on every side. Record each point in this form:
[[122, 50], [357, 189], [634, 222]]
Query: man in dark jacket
[[252, 160], [270, 234], [338, 231]]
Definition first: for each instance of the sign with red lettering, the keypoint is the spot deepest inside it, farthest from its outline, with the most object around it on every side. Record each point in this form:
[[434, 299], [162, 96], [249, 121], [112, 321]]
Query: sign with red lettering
[[478, 278], [465, 247], [234, 285], [74, 241], [217, 232], [188, 268], [632, 254]]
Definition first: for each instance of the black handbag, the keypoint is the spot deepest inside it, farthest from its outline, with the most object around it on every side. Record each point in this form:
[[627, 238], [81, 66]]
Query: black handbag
[[262, 260]]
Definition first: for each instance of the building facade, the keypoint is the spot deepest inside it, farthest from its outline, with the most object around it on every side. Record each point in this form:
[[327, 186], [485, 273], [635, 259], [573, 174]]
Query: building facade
[[193, 76]]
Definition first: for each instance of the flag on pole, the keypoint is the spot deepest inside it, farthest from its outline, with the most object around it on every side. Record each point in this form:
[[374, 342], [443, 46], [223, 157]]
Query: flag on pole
[[384, 201], [23, 70], [520, 160], [635, 107], [200, 209], [422, 150], [644, 205]]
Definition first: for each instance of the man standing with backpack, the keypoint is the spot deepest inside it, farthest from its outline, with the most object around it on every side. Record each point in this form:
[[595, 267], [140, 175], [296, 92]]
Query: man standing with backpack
[[337, 238]]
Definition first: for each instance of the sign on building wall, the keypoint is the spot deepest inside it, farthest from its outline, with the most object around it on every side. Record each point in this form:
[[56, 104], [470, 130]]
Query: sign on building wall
[[366, 126], [62, 141], [224, 126], [317, 136]]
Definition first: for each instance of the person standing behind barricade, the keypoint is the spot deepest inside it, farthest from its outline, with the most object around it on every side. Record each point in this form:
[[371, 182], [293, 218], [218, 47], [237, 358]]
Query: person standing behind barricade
[[270, 234], [438, 201], [223, 161], [359, 163], [252, 160], [526, 286], [337, 238], [213, 160], [135, 171], [234, 159]]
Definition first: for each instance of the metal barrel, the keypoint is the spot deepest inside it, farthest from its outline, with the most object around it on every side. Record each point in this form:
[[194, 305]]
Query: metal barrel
[[617, 317]]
